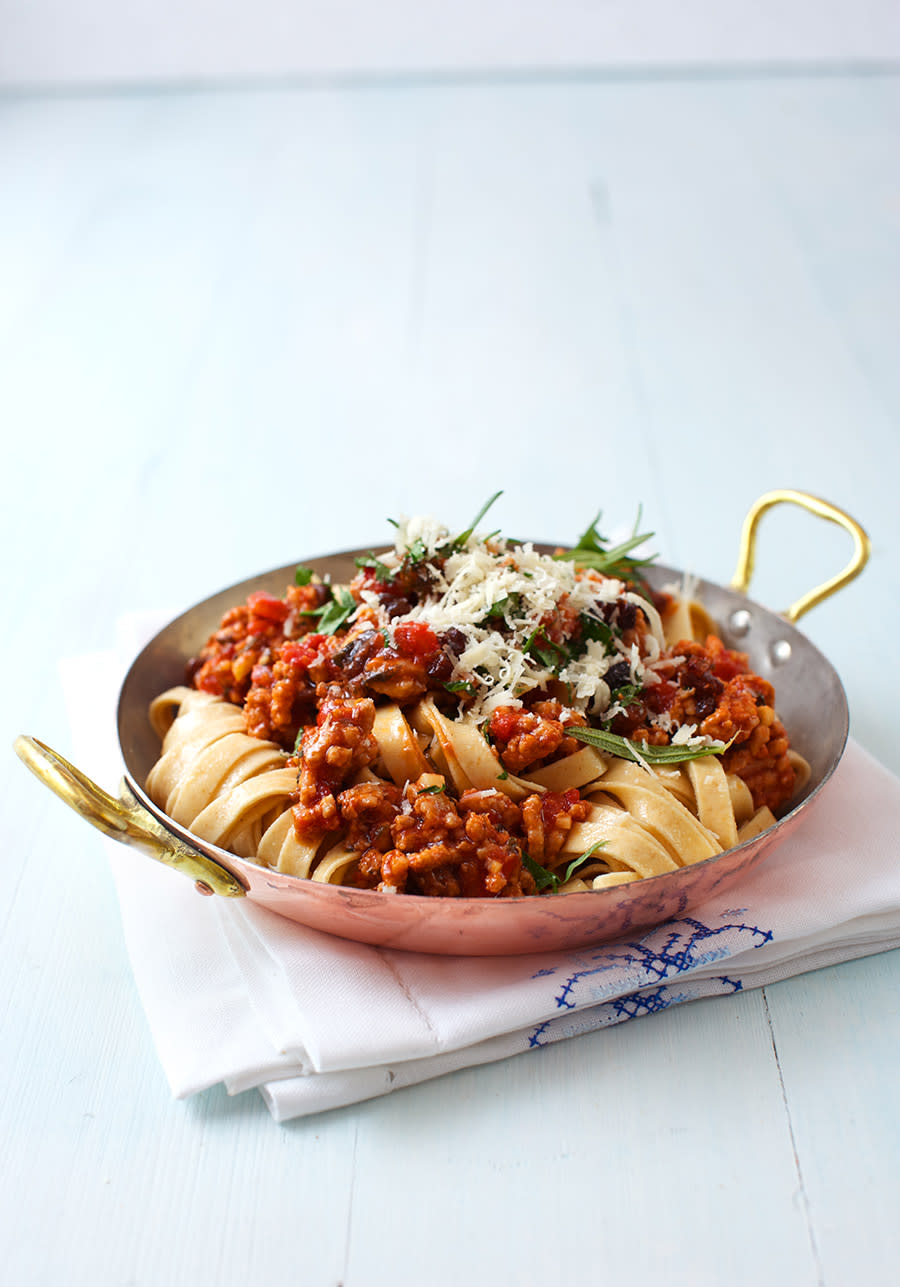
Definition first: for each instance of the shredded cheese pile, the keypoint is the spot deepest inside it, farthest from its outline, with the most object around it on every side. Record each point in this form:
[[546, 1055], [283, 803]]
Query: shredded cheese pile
[[499, 596]]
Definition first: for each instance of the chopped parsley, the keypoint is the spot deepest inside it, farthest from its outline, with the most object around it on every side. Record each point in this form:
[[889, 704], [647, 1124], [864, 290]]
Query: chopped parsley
[[336, 612], [303, 575], [504, 608], [459, 686], [594, 630], [625, 695], [383, 573], [417, 551], [553, 655]]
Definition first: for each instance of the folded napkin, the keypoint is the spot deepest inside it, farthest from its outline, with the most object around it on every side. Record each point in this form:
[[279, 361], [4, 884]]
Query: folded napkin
[[235, 994]]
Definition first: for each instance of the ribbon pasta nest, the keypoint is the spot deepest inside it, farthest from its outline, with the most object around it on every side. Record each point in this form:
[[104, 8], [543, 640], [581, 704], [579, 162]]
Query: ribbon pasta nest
[[470, 717]]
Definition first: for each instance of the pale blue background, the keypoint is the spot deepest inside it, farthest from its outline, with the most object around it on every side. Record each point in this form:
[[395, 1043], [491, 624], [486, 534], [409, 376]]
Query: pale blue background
[[237, 328]]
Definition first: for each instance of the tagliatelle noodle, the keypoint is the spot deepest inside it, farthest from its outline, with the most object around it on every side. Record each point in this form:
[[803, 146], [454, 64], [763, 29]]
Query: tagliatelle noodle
[[688, 620], [469, 761], [659, 812], [282, 849], [715, 810], [627, 846], [399, 750], [576, 770]]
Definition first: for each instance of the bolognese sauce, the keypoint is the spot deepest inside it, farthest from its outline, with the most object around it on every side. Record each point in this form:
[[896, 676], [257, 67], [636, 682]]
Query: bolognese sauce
[[532, 651]]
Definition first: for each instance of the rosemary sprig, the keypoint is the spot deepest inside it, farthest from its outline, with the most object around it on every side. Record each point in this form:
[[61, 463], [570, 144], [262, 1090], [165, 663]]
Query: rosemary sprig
[[626, 750]]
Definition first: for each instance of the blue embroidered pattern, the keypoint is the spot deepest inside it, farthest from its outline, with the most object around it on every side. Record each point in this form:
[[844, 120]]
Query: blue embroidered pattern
[[635, 1004], [638, 969]]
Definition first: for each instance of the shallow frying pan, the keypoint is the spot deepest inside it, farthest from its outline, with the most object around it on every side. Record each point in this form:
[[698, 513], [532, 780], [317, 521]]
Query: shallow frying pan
[[811, 703]]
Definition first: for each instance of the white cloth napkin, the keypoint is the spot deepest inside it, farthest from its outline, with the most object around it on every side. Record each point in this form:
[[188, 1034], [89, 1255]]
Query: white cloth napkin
[[235, 994]]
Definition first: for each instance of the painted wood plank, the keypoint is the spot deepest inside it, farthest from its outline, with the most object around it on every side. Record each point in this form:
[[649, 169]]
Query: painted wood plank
[[657, 1148], [837, 1034], [432, 286]]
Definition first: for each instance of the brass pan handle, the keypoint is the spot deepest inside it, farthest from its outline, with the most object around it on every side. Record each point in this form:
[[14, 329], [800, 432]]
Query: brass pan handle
[[823, 509], [124, 819]]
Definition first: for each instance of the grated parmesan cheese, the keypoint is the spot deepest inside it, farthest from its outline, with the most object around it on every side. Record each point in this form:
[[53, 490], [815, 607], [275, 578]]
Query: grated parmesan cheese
[[500, 597]]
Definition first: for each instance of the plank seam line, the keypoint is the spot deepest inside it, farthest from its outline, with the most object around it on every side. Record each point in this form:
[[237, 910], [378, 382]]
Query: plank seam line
[[449, 77], [817, 1260], [346, 1265]]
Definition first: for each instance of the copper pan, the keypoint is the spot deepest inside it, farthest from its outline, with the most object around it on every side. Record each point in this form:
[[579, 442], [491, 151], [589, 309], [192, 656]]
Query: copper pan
[[811, 702]]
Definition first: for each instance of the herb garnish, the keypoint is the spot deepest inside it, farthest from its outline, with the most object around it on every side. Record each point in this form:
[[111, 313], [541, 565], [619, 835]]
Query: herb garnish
[[626, 750], [593, 629], [625, 695], [336, 611], [549, 653], [431, 790], [383, 573], [417, 552], [592, 551], [459, 542], [582, 858], [303, 575], [545, 879]]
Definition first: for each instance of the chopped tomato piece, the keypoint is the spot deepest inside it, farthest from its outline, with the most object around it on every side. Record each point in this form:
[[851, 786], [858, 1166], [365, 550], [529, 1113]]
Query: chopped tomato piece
[[301, 653], [415, 639], [267, 606]]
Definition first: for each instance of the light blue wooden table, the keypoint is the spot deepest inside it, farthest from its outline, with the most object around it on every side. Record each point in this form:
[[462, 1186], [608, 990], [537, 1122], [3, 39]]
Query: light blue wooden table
[[240, 328]]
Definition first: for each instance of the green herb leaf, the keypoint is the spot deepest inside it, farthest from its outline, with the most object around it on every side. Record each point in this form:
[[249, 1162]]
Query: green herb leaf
[[383, 573], [303, 575], [338, 610], [459, 686], [550, 654], [543, 878], [503, 608], [625, 695], [626, 750], [592, 551], [418, 551], [592, 629], [459, 541], [577, 862], [432, 790]]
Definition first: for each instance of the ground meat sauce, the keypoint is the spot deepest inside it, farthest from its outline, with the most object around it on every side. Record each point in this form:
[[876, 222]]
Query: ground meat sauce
[[313, 686], [713, 687]]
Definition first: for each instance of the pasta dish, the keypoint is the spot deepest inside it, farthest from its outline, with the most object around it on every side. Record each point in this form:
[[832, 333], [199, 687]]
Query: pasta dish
[[471, 717]]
